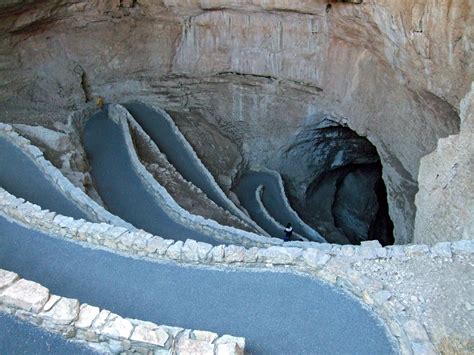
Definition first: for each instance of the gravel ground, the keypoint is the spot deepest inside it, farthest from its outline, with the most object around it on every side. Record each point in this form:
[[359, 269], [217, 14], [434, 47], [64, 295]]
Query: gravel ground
[[436, 291]]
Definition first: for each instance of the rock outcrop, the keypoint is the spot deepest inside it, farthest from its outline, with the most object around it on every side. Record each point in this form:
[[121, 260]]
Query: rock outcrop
[[392, 71], [445, 202]]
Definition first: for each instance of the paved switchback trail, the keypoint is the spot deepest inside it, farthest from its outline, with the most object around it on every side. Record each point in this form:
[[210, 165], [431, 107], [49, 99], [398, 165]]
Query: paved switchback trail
[[120, 187], [179, 153], [21, 177], [278, 313], [246, 192], [273, 201], [164, 134]]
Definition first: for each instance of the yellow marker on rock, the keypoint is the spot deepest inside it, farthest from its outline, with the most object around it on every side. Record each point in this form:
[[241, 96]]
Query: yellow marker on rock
[[99, 101]]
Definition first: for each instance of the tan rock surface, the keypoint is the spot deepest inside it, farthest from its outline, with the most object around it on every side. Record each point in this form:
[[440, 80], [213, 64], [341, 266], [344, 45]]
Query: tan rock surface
[[393, 71], [445, 202]]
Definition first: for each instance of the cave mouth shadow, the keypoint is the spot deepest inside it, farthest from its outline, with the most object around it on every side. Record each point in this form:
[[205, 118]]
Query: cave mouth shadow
[[344, 197]]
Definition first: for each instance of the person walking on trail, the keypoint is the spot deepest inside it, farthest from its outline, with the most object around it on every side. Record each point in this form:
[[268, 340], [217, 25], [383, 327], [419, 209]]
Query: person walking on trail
[[288, 232]]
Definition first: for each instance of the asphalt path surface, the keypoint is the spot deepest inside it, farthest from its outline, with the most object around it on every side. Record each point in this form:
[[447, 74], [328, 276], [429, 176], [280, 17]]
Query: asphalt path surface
[[246, 192], [278, 313], [159, 129], [19, 337], [273, 202], [120, 187], [21, 177]]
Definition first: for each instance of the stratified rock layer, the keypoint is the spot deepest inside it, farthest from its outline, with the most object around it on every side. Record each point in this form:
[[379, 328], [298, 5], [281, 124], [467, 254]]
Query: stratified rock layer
[[445, 203], [256, 71]]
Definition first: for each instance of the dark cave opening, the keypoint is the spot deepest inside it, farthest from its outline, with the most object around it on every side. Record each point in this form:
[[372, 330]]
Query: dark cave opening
[[342, 192], [360, 205]]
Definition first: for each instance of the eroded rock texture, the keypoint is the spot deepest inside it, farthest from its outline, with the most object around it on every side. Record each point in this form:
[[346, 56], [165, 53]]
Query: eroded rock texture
[[256, 71], [445, 202], [335, 179]]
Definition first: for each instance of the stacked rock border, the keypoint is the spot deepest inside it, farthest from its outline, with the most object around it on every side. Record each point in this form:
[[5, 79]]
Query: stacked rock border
[[266, 214], [310, 231], [73, 193], [103, 330], [224, 234], [331, 263], [231, 207]]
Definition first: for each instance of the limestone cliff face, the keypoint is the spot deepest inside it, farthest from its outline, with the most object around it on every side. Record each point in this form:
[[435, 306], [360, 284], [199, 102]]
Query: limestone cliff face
[[445, 202], [259, 71]]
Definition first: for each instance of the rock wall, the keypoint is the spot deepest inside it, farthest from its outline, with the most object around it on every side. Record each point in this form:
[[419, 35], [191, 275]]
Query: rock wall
[[393, 71], [95, 211], [400, 283], [445, 201], [102, 330], [223, 233]]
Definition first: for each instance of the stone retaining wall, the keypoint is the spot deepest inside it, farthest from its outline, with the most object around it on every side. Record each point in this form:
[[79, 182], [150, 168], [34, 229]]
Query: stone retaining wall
[[310, 231], [103, 330], [158, 161], [231, 207], [224, 234], [77, 120], [73, 193], [258, 198], [339, 265]]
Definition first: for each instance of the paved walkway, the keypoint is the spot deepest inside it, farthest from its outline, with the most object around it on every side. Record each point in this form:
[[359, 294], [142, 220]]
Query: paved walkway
[[273, 202], [278, 313], [161, 132], [119, 186], [246, 192], [18, 337], [22, 178]]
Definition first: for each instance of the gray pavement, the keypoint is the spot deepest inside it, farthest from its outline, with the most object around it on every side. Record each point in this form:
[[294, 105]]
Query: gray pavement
[[161, 132], [19, 337], [245, 191], [120, 187], [278, 313], [273, 202], [21, 177]]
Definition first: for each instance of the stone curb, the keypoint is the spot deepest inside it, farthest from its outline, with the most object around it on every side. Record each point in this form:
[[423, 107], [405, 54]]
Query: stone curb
[[295, 215], [231, 207], [84, 202], [263, 209], [103, 330], [151, 145], [224, 234], [331, 263]]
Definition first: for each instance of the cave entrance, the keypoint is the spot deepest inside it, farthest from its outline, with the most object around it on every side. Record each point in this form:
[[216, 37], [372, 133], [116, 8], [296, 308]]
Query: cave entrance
[[341, 190]]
